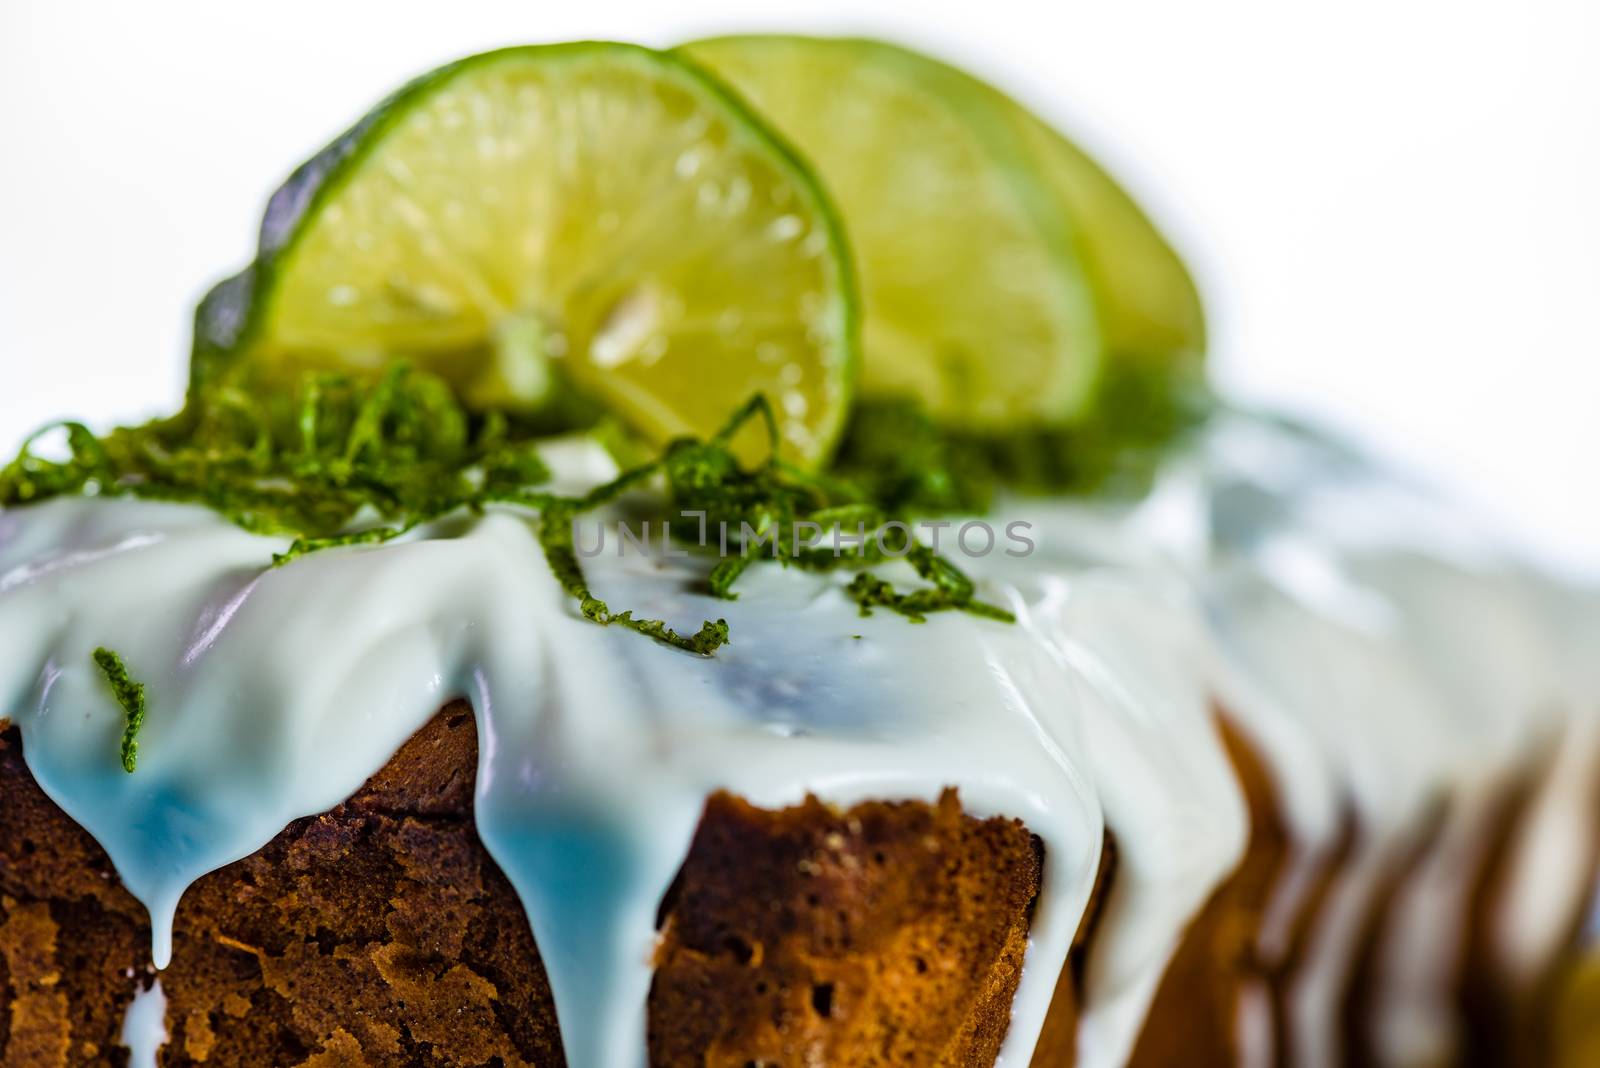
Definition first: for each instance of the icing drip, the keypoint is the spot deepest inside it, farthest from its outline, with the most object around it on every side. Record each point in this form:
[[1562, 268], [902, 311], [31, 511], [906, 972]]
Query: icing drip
[[275, 693], [144, 1026], [1365, 668]]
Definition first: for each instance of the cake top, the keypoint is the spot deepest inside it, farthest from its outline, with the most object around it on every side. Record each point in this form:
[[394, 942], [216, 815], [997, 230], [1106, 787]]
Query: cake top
[[887, 467]]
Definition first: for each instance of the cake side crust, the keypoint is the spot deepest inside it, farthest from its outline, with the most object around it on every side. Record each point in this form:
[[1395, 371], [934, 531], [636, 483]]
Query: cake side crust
[[888, 933]]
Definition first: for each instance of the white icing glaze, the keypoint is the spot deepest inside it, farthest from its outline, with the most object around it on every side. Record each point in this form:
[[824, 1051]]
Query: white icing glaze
[[275, 693], [1429, 668], [1361, 666], [144, 1025], [1125, 623]]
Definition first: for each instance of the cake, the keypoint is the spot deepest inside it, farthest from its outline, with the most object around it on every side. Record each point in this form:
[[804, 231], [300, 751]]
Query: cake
[[1213, 877], [1271, 759]]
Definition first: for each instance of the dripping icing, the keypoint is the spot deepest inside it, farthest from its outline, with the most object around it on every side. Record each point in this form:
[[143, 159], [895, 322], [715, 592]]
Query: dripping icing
[[276, 693], [144, 1025]]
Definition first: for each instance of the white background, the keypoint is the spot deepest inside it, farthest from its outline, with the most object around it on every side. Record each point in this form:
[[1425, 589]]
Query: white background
[[1392, 206]]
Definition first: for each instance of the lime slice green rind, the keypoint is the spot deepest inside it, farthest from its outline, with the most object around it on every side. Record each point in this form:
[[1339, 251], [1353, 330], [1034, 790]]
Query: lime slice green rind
[[600, 212], [974, 301], [1146, 307], [1149, 305]]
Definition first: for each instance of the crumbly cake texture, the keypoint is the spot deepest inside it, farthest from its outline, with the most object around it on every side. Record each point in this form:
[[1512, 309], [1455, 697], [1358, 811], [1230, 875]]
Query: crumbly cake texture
[[887, 934], [381, 933], [71, 938], [381, 926]]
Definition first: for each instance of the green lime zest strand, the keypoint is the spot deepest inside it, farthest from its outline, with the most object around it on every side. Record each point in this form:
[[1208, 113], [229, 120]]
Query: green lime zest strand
[[130, 695], [30, 478], [308, 462], [763, 509], [950, 588], [371, 536], [555, 537]]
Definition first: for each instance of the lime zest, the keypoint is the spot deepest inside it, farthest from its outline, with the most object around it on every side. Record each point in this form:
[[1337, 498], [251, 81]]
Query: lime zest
[[130, 696], [555, 537], [371, 536], [342, 463], [951, 589]]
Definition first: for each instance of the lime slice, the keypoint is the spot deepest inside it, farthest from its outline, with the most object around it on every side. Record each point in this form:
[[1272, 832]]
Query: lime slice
[[973, 295], [597, 213], [1149, 308]]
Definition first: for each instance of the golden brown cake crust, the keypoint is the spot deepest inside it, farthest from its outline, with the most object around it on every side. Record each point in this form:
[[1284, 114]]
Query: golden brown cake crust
[[891, 933]]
